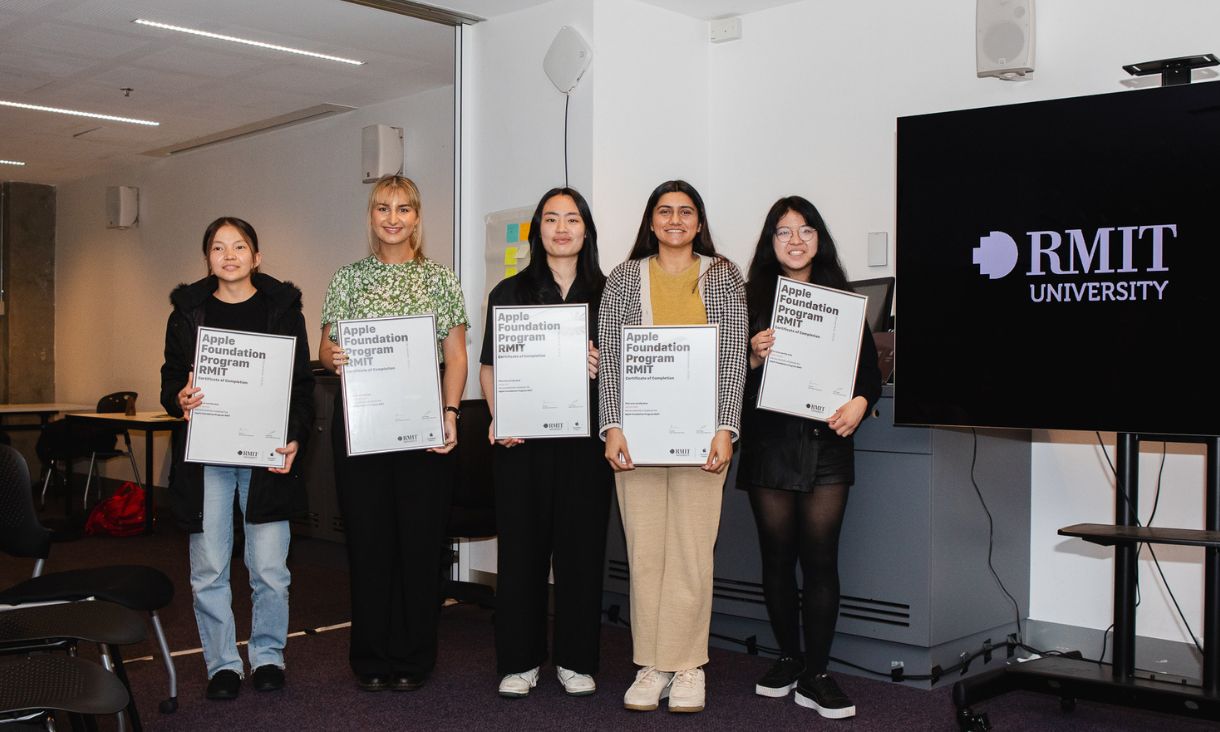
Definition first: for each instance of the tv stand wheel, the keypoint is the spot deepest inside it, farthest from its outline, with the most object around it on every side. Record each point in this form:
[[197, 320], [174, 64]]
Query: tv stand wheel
[[168, 706], [1067, 703]]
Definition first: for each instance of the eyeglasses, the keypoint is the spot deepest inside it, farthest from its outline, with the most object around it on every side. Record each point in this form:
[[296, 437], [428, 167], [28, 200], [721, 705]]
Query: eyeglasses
[[784, 235]]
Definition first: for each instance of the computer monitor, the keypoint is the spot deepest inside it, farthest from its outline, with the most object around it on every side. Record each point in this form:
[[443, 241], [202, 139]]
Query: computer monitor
[[880, 292]]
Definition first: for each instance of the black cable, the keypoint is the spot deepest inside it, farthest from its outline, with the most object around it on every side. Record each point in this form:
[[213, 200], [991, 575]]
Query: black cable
[[974, 454], [566, 99], [1175, 601], [1105, 637]]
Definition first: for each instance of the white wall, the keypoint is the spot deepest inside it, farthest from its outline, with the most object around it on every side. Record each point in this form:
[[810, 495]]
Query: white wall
[[806, 103], [301, 189]]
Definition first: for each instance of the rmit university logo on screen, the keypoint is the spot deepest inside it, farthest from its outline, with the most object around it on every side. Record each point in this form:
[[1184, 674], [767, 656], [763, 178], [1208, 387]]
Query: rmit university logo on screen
[[1118, 264]]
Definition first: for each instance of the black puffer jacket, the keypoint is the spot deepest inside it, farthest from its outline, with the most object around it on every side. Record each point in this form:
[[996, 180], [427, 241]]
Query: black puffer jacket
[[273, 497]]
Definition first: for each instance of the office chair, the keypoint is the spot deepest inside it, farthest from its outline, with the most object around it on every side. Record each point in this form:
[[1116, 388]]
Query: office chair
[[473, 512], [62, 627], [21, 535], [34, 688]]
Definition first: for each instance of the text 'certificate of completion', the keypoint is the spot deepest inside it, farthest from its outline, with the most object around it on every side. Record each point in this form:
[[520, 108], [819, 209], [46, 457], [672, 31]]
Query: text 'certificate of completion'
[[541, 371], [246, 382], [811, 370], [391, 384], [669, 393]]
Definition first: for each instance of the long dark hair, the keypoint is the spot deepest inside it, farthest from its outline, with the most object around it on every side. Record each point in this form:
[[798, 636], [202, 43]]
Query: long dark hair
[[826, 269], [536, 283], [646, 243], [247, 232]]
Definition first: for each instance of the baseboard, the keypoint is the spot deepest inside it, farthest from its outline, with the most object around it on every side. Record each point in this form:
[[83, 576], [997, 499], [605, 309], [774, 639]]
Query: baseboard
[[1157, 655]]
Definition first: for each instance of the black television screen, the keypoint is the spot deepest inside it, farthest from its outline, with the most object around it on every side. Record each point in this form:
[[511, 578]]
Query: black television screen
[[1056, 263]]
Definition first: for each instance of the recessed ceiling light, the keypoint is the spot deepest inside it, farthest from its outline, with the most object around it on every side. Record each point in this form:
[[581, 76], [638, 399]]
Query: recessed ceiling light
[[234, 39], [78, 113], [11, 162]]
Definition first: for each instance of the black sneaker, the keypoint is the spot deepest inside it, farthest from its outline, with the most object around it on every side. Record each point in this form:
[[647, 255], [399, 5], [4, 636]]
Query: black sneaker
[[820, 692], [780, 678], [225, 685], [268, 678]]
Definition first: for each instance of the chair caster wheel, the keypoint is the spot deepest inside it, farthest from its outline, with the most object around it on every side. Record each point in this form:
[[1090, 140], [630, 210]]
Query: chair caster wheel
[[168, 706], [969, 721]]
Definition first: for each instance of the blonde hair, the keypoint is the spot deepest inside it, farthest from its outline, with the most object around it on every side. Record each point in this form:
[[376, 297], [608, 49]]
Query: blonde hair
[[386, 187]]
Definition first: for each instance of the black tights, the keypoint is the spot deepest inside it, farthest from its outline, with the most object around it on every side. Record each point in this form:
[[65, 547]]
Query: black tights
[[794, 525]]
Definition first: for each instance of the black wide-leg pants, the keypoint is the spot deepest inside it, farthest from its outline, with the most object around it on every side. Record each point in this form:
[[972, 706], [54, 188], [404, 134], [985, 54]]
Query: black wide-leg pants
[[395, 508], [552, 508]]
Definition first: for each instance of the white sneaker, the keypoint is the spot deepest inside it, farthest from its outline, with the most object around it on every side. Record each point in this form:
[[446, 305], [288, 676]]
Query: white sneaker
[[649, 688], [515, 686], [686, 691], [575, 684]]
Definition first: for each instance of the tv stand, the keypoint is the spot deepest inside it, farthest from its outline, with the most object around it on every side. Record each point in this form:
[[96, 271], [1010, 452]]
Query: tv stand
[[1117, 682]]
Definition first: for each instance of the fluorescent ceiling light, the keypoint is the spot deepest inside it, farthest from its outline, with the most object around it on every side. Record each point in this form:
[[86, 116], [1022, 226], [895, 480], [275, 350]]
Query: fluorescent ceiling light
[[78, 113], [11, 162], [234, 39]]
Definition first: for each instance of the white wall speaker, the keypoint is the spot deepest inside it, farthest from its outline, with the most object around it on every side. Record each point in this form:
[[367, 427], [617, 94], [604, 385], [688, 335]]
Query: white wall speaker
[[567, 59], [1004, 38], [381, 151], [122, 207]]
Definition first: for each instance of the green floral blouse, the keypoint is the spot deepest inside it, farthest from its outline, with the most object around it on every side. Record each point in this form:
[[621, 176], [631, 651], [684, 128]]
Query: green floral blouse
[[372, 289]]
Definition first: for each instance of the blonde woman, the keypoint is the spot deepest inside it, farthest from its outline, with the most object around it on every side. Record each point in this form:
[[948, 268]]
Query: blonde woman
[[395, 505]]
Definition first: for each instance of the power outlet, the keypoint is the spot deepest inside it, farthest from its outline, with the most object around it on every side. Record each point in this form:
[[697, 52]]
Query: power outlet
[[724, 29]]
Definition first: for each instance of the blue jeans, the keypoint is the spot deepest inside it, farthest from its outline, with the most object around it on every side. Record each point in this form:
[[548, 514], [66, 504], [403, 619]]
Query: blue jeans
[[266, 559]]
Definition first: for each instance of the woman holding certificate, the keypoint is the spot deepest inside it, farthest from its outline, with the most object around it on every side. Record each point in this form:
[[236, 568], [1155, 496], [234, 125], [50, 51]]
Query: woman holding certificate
[[798, 470], [395, 504], [236, 296], [671, 515], [552, 495]]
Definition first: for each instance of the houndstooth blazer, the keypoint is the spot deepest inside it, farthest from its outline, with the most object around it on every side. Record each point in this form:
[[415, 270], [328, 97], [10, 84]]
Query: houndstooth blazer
[[627, 301]]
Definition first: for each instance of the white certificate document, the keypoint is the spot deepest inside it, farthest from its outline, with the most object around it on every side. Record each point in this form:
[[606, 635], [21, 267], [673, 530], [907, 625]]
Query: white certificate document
[[540, 361], [669, 392], [391, 384], [811, 370], [246, 382]]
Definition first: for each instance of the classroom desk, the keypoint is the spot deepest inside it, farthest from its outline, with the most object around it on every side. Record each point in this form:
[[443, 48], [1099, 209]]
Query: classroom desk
[[44, 412], [147, 422]]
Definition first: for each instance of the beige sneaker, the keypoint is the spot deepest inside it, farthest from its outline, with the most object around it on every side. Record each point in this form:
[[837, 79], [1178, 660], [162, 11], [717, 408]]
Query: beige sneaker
[[686, 691], [649, 688], [575, 684]]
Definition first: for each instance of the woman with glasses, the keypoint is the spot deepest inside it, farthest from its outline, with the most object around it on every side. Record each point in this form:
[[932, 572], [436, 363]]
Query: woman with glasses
[[671, 515], [798, 471]]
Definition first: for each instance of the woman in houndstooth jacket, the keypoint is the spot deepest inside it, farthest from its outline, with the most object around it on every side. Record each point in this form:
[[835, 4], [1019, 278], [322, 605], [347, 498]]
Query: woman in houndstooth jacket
[[671, 514]]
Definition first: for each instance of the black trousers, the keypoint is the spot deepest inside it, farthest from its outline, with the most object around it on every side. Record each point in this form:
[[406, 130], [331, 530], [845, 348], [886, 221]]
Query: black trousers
[[552, 508], [395, 507]]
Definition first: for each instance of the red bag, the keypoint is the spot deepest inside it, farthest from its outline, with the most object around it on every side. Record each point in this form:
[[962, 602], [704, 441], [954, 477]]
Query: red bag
[[122, 514]]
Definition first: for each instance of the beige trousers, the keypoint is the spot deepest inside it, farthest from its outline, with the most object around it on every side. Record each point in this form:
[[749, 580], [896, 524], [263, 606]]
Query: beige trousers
[[670, 518]]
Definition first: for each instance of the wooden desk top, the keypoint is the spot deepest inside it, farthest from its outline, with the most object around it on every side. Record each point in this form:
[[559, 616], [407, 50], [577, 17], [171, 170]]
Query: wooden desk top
[[139, 420], [43, 408]]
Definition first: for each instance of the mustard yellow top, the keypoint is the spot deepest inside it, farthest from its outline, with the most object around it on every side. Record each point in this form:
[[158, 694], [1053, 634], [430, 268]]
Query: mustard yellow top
[[675, 298]]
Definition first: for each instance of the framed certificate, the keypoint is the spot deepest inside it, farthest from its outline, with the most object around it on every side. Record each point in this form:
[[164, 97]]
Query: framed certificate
[[246, 382], [669, 375], [391, 384], [811, 370], [540, 363]]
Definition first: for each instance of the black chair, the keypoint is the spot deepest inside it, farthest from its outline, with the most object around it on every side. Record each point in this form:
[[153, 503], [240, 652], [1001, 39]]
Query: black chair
[[64, 626], [21, 535], [115, 403], [473, 514], [34, 688]]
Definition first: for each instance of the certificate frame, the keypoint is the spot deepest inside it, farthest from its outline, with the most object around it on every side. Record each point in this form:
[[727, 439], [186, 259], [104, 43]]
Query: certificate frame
[[658, 444], [558, 425], [796, 378], [215, 444], [362, 444]]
